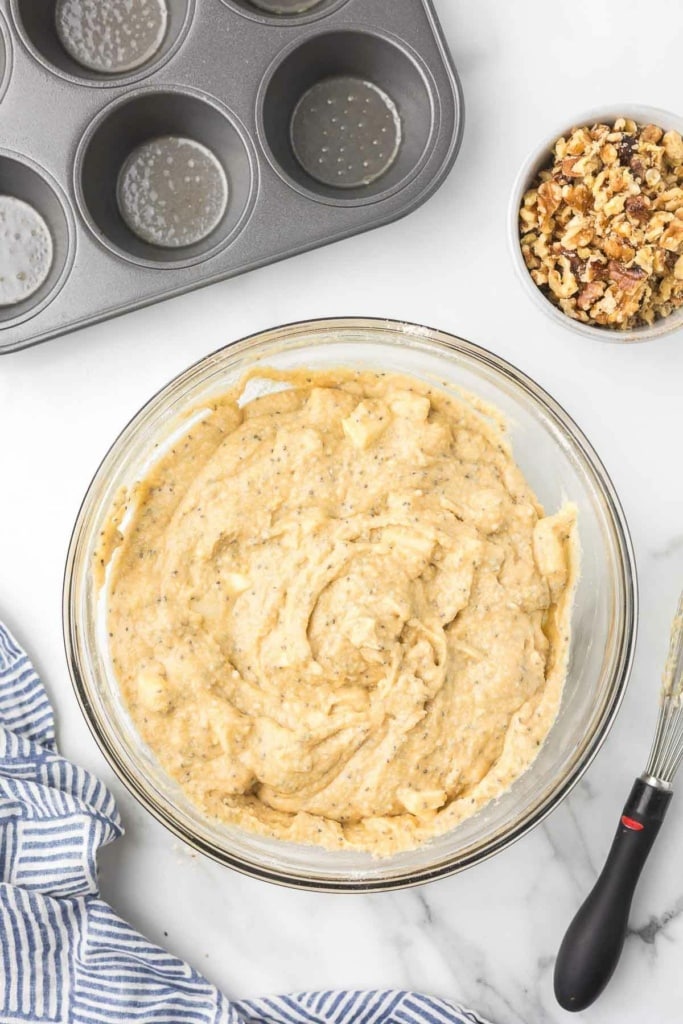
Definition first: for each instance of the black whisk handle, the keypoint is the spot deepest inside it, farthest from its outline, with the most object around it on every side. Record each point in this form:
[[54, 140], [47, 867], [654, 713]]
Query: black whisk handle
[[594, 940]]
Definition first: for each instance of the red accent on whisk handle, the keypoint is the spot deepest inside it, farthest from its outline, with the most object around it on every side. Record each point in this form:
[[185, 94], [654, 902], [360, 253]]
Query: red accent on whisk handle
[[592, 946]]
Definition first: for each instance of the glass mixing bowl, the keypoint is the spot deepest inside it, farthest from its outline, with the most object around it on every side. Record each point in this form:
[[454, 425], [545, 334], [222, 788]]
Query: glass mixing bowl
[[558, 462]]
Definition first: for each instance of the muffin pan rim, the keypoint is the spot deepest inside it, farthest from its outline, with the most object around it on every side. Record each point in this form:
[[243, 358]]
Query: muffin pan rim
[[6, 42], [123, 100], [266, 18], [434, 102], [91, 79], [72, 239]]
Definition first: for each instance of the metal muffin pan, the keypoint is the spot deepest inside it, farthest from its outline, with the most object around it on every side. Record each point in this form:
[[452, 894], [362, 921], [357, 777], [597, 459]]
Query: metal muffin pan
[[305, 121]]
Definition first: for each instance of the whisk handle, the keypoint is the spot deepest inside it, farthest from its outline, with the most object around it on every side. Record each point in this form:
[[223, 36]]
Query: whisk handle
[[594, 940]]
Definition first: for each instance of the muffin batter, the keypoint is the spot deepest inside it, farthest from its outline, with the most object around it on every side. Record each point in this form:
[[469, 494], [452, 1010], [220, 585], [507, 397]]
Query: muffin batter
[[337, 612]]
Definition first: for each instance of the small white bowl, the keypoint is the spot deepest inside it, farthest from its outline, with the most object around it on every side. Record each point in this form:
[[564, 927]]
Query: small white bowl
[[539, 159]]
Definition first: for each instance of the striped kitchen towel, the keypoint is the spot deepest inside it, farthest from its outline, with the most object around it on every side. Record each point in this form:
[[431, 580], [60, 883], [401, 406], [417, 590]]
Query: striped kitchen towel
[[65, 956]]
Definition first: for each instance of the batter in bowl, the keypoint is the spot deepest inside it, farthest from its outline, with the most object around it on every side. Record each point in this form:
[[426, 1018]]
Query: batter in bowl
[[337, 612]]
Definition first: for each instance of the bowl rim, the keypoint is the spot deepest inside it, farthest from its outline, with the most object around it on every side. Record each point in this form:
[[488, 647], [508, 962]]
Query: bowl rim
[[533, 162], [621, 673]]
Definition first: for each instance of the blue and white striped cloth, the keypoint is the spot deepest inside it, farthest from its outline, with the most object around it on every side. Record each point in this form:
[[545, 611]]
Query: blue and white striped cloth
[[65, 956]]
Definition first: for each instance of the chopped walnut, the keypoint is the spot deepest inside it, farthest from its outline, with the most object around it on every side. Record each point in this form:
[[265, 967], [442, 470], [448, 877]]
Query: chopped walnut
[[673, 147], [602, 227], [638, 207], [672, 239], [549, 198], [589, 294], [629, 279]]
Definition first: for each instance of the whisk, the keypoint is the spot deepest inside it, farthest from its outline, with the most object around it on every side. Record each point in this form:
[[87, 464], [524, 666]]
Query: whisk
[[594, 940]]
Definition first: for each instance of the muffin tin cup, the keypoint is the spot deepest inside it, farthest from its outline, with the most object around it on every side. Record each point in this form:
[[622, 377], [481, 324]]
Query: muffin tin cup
[[309, 122], [351, 59], [149, 114], [538, 159], [34, 21], [24, 180]]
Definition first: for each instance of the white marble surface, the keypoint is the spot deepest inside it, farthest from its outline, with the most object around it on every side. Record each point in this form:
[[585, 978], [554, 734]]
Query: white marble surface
[[487, 937]]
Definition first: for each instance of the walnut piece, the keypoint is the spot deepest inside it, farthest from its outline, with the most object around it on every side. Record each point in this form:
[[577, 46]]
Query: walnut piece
[[628, 279], [601, 228]]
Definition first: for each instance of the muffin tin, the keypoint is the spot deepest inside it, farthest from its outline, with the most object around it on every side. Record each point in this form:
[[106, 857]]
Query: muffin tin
[[323, 121]]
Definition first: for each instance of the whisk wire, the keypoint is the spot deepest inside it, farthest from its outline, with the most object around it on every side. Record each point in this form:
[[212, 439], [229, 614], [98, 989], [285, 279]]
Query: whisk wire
[[667, 747]]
